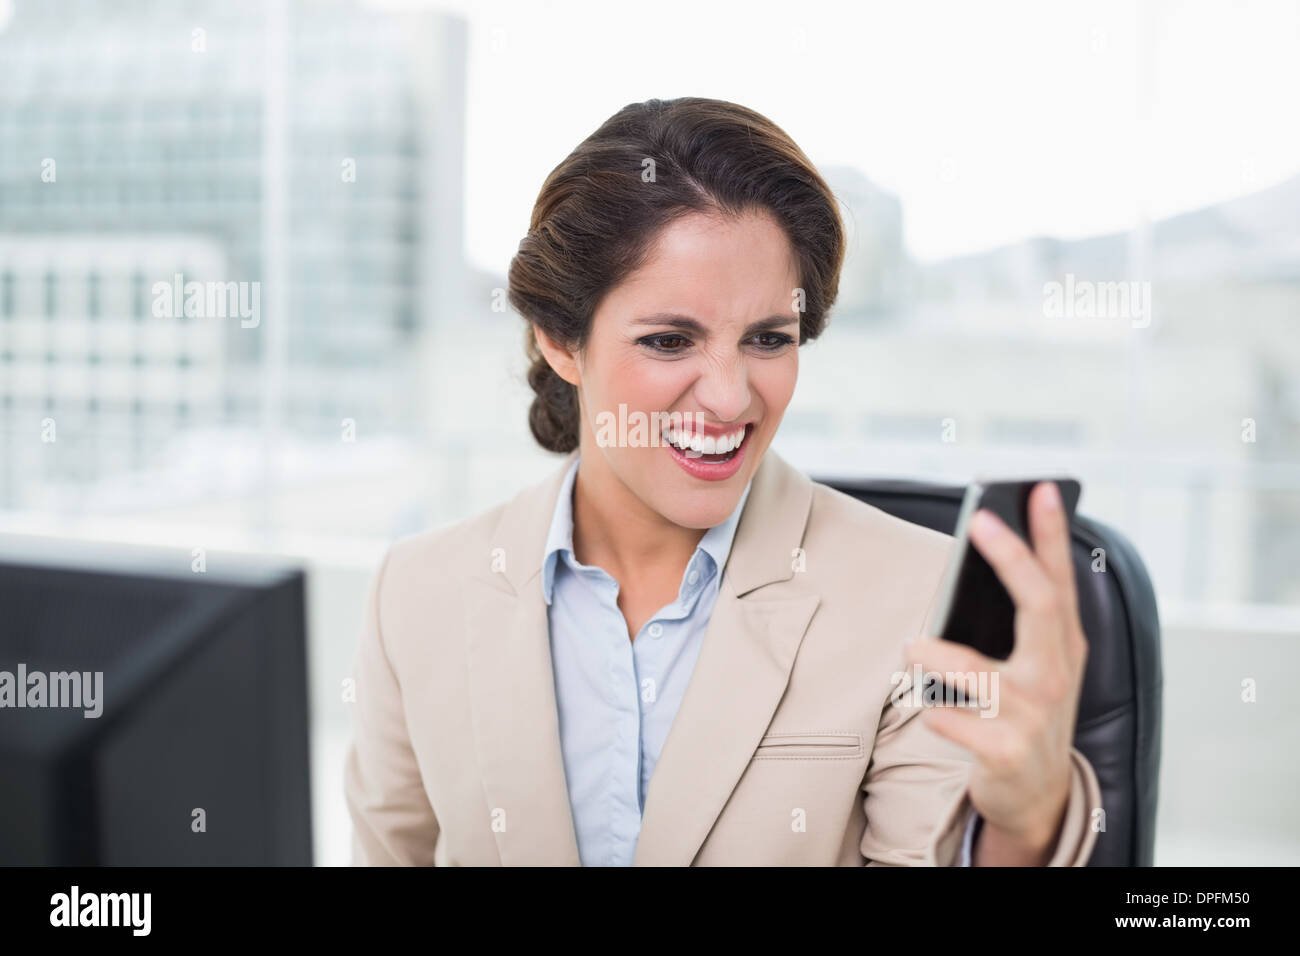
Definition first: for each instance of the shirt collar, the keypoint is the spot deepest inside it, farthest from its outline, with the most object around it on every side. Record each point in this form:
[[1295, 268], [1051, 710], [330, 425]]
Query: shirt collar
[[716, 542]]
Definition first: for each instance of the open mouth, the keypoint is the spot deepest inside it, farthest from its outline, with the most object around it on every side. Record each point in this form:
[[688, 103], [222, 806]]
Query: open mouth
[[711, 458]]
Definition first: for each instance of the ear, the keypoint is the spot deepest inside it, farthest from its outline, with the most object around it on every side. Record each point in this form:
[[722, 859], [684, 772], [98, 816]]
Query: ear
[[564, 363]]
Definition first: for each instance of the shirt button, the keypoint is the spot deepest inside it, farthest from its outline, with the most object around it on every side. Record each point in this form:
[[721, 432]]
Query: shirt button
[[656, 630], [692, 577]]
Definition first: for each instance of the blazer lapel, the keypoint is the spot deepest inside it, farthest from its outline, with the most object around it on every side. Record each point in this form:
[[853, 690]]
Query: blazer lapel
[[740, 675], [512, 687]]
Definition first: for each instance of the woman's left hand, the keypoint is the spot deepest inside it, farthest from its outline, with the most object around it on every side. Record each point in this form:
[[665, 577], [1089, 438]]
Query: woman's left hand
[[1020, 781]]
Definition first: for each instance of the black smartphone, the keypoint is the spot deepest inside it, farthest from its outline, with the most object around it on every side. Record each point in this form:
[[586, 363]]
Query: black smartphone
[[972, 607]]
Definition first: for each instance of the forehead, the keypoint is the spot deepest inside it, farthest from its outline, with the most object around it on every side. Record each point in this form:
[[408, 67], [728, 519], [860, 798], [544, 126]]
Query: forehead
[[714, 268]]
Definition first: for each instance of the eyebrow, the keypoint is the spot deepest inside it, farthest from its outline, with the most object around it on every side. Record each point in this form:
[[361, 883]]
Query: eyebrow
[[688, 324]]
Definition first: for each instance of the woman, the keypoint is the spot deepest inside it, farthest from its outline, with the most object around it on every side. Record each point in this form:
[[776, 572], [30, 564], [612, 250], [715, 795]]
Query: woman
[[677, 649]]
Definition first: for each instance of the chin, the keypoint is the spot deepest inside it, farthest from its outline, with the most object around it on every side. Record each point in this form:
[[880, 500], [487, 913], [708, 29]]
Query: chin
[[691, 503], [705, 514]]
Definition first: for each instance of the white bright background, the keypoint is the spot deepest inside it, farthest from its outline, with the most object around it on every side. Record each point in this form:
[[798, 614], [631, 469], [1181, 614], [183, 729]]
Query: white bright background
[[1034, 106]]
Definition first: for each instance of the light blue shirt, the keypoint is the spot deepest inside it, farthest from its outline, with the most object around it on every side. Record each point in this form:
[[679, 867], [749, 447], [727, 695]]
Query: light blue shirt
[[617, 698]]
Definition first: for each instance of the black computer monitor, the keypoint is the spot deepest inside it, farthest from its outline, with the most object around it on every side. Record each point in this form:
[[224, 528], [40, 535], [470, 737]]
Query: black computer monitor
[[192, 749]]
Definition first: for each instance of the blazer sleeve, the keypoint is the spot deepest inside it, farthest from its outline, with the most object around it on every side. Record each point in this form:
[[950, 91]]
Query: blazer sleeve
[[393, 823], [917, 797]]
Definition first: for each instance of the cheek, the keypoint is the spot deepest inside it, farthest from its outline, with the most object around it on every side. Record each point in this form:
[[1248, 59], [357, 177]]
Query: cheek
[[644, 382], [774, 380]]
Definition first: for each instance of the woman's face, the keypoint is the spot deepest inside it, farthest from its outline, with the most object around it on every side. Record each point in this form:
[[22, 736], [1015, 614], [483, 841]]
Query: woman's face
[[707, 327]]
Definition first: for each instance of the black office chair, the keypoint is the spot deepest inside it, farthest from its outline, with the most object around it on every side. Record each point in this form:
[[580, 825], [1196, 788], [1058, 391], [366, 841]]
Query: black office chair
[[1118, 728]]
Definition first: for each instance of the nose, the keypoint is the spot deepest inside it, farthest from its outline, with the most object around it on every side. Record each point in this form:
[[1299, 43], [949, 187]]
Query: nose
[[723, 388]]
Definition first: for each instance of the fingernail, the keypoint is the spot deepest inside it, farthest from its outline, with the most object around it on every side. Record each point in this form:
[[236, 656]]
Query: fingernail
[[1053, 496]]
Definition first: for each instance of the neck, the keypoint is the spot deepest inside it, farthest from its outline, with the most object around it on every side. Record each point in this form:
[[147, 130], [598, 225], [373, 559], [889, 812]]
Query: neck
[[615, 530]]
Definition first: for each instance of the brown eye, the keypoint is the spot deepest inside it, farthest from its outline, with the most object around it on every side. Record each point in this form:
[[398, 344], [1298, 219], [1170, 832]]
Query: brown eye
[[772, 341], [668, 342]]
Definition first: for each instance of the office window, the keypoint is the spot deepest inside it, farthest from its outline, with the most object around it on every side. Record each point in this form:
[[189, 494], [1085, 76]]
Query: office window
[[92, 296], [139, 302]]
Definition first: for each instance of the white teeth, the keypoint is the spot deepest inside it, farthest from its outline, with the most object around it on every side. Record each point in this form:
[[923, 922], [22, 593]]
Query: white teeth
[[705, 445]]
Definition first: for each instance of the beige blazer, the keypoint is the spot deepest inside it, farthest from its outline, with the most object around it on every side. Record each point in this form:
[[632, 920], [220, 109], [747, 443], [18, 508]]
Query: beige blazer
[[786, 749]]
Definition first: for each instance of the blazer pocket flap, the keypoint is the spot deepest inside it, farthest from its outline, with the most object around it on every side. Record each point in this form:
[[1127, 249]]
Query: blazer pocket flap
[[832, 745]]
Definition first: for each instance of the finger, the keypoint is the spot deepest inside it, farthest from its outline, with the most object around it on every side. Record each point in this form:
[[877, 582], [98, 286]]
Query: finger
[[1050, 531], [936, 654], [962, 668], [1017, 567], [980, 737]]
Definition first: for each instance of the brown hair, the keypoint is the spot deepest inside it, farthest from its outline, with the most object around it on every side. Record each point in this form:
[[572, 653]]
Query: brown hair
[[600, 210]]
